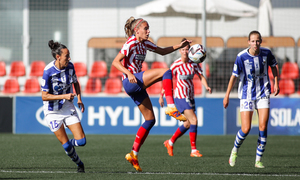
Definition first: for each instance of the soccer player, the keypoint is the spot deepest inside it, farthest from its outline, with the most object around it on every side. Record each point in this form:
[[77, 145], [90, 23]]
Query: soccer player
[[129, 61], [251, 66], [58, 78], [184, 70]]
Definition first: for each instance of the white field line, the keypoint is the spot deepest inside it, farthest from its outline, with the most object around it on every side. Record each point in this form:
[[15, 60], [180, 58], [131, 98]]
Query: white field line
[[158, 173]]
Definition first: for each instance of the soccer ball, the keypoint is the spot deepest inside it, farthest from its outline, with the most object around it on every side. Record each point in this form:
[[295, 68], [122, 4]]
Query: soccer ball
[[197, 53]]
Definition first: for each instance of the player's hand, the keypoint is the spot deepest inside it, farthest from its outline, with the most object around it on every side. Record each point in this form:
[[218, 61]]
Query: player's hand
[[81, 106], [161, 101], [209, 90], [131, 78], [225, 102], [70, 96], [276, 90], [185, 43]]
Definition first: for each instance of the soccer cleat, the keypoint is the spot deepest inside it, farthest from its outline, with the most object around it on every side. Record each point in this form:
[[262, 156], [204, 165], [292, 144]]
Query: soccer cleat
[[196, 154], [80, 168], [172, 111], [259, 164], [232, 158], [169, 148], [130, 157]]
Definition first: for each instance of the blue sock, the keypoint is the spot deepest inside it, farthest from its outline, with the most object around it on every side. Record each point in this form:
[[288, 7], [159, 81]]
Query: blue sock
[[148, 124], [261, 144], [80, 142], [70, 151], [239, 139]]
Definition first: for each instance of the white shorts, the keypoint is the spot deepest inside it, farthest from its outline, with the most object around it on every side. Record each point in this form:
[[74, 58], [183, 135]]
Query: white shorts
[[251, 105], [67, 115]]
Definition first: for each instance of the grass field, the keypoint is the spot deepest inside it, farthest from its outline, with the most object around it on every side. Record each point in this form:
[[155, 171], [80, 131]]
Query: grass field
[[42, 157]]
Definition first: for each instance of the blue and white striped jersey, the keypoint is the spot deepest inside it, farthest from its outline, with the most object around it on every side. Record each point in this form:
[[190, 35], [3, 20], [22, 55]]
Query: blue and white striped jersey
[[253, 72], [56, 82]]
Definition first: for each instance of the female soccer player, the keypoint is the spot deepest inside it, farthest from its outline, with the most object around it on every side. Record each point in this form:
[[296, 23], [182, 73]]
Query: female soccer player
[[184, 70], [59, 110], [251, 65], [135, 82]]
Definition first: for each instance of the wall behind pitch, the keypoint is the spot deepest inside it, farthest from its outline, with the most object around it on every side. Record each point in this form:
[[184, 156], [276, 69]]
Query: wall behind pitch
[[284, 117], [6, 112], [118, 115]]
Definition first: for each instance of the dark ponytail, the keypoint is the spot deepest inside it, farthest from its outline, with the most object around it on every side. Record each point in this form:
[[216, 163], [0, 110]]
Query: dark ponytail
[[56, 48]]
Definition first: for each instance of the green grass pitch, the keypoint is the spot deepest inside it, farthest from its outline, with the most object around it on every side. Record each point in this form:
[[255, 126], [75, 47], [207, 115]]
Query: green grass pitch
[[42, 157]]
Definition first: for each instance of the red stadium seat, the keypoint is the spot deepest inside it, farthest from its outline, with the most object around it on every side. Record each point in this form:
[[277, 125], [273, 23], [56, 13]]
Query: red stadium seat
[[197, 85], [157, 64], [286, 86], [93, 86], [155, 88], [80, 69], [17, 68], [37, 68], [2, 68], [113, 86], [11, 86], [289, 71], [99, 70], [145, 66], [114, 72], [32, 86]]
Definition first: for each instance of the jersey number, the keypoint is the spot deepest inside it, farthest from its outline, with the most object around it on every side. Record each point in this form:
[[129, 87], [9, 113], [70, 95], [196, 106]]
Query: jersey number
[[54, 124], [248, 105]]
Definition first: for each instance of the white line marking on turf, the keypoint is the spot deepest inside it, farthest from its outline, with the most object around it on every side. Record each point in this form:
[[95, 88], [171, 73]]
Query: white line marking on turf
[[157, 173]]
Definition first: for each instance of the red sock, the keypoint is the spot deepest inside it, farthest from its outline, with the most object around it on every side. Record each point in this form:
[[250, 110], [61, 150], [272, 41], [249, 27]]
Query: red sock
[[193, 138], [168, 87], [176, 135], [141, 135]]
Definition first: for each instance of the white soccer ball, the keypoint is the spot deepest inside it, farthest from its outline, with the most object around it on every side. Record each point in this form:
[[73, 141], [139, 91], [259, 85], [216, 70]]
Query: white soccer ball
[[197, 53]]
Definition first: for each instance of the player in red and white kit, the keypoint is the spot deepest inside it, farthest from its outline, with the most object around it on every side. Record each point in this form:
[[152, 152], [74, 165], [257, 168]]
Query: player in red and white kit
[[184, 70], [129, 61]]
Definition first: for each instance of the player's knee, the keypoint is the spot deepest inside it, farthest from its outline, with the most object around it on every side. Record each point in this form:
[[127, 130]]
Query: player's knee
[[81, 142]]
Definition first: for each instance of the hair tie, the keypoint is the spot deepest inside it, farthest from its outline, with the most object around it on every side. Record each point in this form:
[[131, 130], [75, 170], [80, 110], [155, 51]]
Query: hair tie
[[138, 24]]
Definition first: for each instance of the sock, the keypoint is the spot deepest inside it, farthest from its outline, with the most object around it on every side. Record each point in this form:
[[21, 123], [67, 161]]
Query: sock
[[80, 142], [193, 136], [239, 139], [178, 133], [70, 151], [142, 134], [168, 87], [261, 144]]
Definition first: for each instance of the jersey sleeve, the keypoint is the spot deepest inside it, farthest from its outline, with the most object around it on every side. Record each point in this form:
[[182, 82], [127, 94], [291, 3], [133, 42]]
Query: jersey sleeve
[[45, 84], [198, 69], [271, 60], [237, 67]]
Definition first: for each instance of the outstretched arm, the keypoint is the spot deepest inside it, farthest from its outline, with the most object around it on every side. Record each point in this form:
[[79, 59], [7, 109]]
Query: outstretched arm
[[167, 50], [204, 82], [230, 85]]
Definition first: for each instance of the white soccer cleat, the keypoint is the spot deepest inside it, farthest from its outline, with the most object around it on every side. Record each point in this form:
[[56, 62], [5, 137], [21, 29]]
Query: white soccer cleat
[[232, 158]]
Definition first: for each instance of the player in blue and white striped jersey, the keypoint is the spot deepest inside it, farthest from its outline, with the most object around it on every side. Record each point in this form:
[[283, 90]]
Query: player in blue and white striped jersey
[[57, 95], [251, 66]]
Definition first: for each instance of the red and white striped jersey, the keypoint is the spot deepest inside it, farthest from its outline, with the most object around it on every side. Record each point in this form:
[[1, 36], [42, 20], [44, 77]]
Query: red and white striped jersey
[[184, 73], [135, 53]]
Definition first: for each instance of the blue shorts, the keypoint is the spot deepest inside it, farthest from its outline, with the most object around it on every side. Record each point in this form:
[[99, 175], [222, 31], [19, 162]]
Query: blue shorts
[[136, 90], [183, 104]]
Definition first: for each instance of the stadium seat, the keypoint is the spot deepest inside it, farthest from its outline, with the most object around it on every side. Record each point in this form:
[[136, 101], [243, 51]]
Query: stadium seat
[[155, 88], [197, 85], [2, 68], [93, 86], [289, 71], [37, 68], [32, 86], [17, 69], [113, 85], [80, 69], [99, 70], [11, 86], [145, 66], [286, 86], [114, 72], [157, 64]]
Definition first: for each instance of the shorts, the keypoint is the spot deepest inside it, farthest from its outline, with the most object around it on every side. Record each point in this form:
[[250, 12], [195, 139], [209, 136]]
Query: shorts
[[184, 104], [136, 90], [251, 105], [67, 115]]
